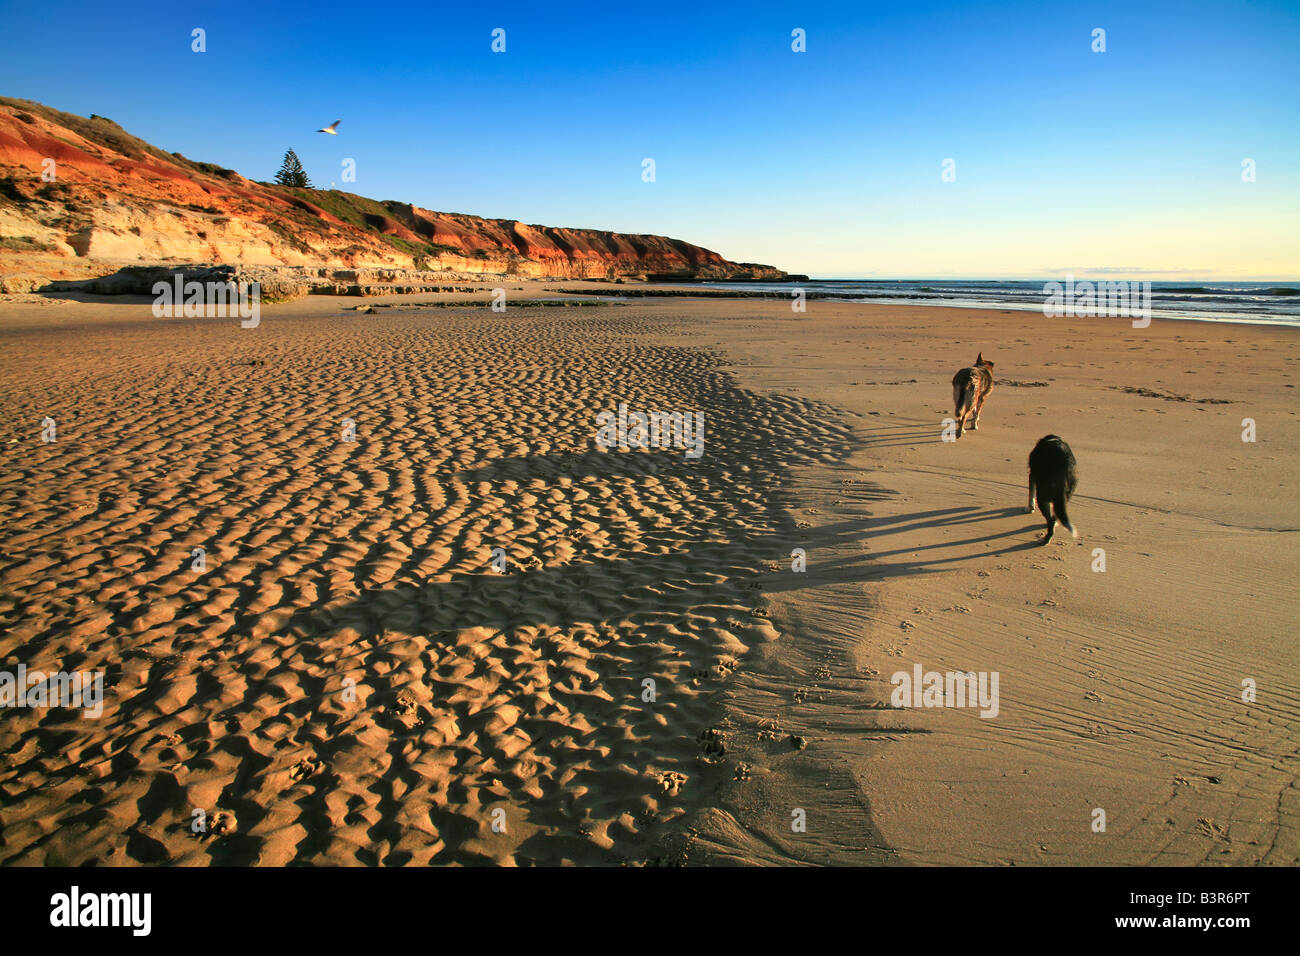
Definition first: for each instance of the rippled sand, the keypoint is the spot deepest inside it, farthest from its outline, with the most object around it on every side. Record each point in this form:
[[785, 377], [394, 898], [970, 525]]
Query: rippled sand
[[350, 680]]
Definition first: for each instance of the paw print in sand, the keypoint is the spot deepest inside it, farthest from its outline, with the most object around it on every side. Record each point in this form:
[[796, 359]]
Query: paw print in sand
[[671, 782], [305, 768], [407, 711], [713, 742], [220, 823]]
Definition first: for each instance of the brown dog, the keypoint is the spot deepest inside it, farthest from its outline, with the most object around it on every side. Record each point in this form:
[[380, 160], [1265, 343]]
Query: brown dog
[[970, 387]]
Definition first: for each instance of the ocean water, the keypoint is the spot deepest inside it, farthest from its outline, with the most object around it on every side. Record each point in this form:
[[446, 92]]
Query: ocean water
[[1259, 303]]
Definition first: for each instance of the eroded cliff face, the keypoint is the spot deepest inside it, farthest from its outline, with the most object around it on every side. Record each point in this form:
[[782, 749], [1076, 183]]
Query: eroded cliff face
[[116, 200]]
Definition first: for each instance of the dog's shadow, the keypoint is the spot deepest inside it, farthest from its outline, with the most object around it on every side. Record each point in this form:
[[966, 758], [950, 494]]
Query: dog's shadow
[[854, 558], [879, 568]]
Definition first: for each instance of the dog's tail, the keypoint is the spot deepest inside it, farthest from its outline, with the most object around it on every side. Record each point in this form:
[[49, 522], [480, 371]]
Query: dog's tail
[[963, 395], [1058, 507]]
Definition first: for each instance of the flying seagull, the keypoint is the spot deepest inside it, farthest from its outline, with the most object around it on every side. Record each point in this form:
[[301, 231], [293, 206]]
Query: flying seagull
[[331, 128]]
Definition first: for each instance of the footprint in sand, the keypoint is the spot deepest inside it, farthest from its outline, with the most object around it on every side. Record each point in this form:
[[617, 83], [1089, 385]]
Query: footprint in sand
[[407, 711], [671, 782], [305, 768], [221, 823], [1210, 828], [713, 742]]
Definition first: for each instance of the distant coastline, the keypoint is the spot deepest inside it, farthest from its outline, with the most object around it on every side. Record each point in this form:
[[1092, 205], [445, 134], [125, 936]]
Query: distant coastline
[[1255, 303]]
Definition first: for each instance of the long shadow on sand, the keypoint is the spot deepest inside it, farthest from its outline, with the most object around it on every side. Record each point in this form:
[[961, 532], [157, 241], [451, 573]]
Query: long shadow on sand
[[599, 627], [521, 691]]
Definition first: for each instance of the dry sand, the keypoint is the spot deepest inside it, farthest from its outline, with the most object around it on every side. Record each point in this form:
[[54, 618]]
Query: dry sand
[[334, 565]]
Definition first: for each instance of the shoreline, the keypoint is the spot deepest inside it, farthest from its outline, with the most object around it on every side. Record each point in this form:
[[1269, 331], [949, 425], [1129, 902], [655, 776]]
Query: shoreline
[[615, 293]]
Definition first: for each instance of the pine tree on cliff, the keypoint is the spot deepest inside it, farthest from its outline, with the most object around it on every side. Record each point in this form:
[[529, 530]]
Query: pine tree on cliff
[[291, 172]]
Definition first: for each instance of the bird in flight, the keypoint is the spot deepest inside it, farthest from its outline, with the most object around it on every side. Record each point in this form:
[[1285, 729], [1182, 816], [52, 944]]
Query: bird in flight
[[332, 129]]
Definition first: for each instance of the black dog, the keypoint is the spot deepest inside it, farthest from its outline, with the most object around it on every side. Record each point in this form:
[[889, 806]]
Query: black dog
[[1051, 472]]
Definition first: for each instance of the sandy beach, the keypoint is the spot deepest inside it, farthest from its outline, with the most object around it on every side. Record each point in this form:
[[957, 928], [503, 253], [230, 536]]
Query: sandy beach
[[344, 674]]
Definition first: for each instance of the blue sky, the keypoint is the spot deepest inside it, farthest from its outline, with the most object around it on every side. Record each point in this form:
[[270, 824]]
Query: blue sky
[[827, 162]]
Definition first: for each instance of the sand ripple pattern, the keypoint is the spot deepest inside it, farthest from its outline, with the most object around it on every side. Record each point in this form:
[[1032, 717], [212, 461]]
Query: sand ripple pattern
[[350, 681]]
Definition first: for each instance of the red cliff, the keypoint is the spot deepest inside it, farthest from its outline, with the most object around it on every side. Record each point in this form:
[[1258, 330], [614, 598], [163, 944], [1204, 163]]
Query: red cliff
[[118, 201]]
